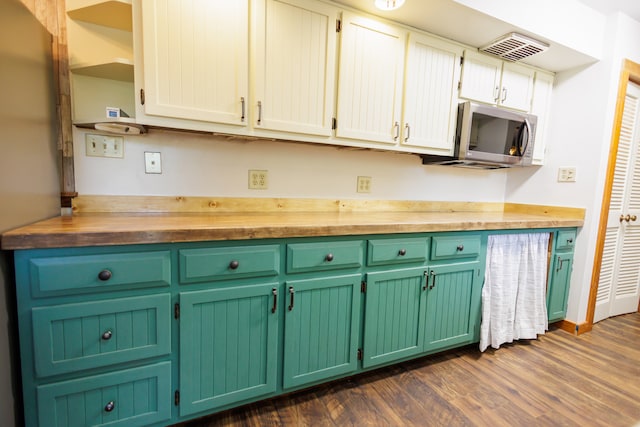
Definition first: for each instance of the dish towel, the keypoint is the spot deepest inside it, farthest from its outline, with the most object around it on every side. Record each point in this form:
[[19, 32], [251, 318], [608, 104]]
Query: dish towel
[[514, 292]]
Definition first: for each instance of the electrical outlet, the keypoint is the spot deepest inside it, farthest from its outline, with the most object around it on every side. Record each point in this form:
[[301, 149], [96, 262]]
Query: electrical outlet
[[104, 146], [566, 174], [364, 184], [258, 179], [152, 162]]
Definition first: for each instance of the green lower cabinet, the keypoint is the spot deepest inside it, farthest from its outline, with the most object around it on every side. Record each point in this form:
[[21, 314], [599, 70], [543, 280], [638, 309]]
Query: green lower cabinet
[[130, 397], [394, 310], [228, 346], [321, 328], [558, 290], [453, 305]]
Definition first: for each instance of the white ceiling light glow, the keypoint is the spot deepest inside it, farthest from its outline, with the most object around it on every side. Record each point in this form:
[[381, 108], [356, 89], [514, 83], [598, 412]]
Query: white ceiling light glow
[[388, 4]]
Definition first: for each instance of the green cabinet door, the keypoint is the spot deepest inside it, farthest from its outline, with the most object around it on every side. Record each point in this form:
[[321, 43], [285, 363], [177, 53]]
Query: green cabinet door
[[322, 318], [559, 286], [453, 305], [228, 346], [394, 310]]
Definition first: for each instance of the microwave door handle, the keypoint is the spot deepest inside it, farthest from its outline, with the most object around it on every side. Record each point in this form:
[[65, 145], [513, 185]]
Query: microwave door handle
[[521, 147]]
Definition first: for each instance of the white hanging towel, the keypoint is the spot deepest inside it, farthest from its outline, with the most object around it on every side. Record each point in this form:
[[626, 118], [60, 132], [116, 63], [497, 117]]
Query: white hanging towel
[[514, 293]]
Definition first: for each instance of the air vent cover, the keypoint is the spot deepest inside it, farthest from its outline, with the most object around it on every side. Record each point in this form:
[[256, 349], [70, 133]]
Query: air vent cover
[[514, 47]]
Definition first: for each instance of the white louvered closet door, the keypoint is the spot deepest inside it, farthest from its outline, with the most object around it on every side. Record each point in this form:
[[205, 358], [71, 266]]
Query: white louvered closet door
[[196, 59], [619, 283]]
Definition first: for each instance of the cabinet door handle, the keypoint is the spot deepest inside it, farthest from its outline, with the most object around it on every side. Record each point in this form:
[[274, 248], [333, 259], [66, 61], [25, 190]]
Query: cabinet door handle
[[402, 252], [504, 94], [274, 292], [396, 126], [291, 292], [328, 257], [460, 248], [107, 335], [559, 267], [105, 275], [433, 281], [426, 281], [109, 406], [242, 104], [407, 130], [259, 112], [233, 265], [496, 93]]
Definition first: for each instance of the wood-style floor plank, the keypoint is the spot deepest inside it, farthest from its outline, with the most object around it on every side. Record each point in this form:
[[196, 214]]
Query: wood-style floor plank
[[557, 380]]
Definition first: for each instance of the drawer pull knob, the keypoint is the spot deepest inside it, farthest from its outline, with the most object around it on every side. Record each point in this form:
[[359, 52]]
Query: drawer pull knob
[[234, 264], [460, 248], [569, 241], [109, 406], [104, 275], [402, 252], [107, 335], [329, 257]]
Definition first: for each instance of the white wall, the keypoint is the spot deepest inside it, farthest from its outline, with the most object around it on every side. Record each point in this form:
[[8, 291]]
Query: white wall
[[579, 136], [205, 165]]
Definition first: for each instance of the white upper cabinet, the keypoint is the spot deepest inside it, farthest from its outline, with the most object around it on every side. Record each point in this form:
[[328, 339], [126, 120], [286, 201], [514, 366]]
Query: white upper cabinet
[[489, 80], [430, 101], [196, 55], [542, 91], [370, 80], [294, 74]]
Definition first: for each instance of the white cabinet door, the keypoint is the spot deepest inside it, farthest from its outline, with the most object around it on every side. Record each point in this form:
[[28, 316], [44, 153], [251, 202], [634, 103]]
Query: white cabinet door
[[196, 59], [370, 80], [295, 54], [480, 78], [540, 105], [430, 101], [516, 88], [491, 81]]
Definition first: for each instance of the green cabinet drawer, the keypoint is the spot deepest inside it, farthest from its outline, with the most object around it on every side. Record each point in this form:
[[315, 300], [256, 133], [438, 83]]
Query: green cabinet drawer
[[74, 337], [302, 257], [223, 263], [395, 251], [99, 273], [566, 240], [452, 246], [131, 397]]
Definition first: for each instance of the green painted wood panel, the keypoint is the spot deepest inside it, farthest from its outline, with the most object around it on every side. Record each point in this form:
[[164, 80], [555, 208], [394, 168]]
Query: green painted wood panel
[[455, 246], [566, 240], [394, 311], [140, 396], [209, 264], [65, 275], [395, 251], [321, 328], [558, 290], [453, 305], [228, 346], [69, 337], [302, 257]]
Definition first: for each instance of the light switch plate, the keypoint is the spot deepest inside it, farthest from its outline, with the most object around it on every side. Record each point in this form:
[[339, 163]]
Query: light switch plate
[[152, 162], [104, 146]]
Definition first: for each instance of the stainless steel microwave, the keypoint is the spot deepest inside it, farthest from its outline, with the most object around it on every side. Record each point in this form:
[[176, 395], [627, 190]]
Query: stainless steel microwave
[[490, 137]]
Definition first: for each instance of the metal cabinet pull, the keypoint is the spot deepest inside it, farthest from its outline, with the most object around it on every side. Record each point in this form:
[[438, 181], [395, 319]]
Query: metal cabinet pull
[[504, 94], [109, 406], [559, 267], [259, 112], [328, 257], [107, 335], [105, 275], [233, 265], [460, 248], [496, 93], [407, 131], [396, 126], [402, 252], [242, 104], [426, 280], [433, 281], [291, 292], [274, 292]]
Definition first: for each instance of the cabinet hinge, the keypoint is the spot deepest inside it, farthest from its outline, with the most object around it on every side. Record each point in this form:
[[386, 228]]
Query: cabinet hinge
[[363, 286], [142, 96], [334, 123], [176, 311], [176, 397], [338, 25], [359, 354]]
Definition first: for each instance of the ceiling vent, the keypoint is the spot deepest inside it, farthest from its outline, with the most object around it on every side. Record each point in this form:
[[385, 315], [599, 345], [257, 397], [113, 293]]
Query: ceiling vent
[[514, 47]]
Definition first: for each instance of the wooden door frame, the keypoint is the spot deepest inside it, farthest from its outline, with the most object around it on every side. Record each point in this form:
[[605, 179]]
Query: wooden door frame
[[630, 73]]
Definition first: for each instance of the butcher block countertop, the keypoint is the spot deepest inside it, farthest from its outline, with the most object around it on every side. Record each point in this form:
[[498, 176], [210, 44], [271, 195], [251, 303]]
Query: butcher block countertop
[[122, 220]]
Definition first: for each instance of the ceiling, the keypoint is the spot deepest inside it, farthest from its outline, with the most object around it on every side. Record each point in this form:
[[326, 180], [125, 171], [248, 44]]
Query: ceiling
[[455, 21]]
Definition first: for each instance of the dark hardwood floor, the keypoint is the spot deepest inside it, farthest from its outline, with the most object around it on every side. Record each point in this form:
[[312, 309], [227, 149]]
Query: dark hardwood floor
[[557, 380]]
